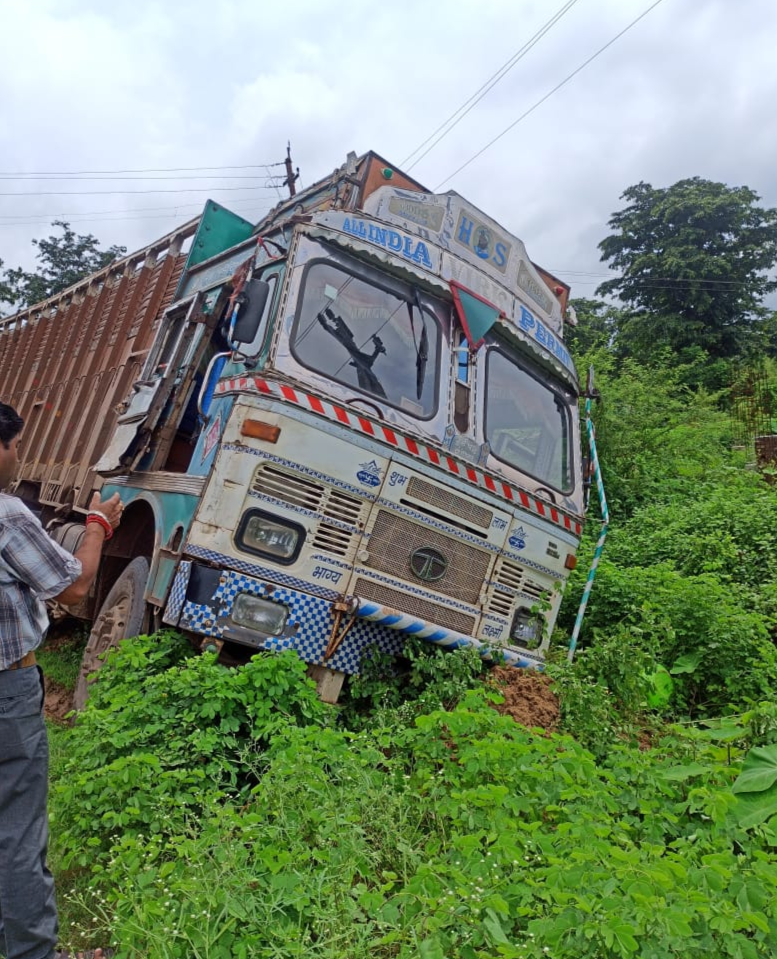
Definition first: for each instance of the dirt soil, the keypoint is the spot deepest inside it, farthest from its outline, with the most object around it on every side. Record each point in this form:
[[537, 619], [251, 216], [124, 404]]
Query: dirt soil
[[528, 697], [59, 701]]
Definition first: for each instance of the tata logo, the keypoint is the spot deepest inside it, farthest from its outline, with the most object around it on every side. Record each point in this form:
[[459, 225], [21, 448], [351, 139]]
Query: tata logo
[[369, 474], [483, 241], [518, 538], [428, 564]]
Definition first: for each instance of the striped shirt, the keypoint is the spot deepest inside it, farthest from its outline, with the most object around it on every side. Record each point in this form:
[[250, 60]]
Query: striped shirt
[[32, 568]]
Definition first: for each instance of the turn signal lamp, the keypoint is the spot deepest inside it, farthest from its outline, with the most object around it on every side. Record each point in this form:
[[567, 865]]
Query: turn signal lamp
[[570, 562], [258, 430]]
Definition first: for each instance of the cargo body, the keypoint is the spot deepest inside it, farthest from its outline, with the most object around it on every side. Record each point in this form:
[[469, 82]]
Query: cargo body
[[353, 422]]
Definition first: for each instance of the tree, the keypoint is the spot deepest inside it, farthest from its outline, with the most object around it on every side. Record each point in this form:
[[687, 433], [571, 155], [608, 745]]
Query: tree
[[596, 327], [64, 260], [694, 260]]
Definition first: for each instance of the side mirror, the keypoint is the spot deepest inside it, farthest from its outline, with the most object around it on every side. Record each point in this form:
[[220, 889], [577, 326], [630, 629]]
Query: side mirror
[[253, 301]]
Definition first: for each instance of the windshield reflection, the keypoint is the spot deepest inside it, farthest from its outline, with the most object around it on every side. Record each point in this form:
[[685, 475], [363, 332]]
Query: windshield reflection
[[527, 423], [380, 342]]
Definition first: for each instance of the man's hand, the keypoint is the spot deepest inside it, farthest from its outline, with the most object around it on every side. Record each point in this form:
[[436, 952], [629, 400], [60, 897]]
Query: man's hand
[[110, 508]]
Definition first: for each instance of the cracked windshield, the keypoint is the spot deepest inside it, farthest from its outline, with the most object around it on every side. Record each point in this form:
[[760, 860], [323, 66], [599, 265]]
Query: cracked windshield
[[527, 424], [379, 342]]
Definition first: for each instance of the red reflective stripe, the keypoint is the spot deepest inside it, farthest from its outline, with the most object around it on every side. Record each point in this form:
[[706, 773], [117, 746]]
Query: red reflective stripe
[[423, 452], [288, 393]]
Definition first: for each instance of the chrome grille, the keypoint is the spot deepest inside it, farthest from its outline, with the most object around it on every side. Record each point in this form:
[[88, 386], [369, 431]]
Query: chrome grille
[[415, 606], [394, 539], [447, 502]]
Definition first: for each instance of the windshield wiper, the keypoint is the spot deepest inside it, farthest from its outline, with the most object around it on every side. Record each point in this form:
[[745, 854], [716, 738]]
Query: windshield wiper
[[422, 347], [362, 362]]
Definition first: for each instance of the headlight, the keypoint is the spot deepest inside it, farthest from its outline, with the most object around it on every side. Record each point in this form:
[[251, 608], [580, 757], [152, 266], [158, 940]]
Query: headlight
[[270, 536], [259, 614], [527, 628]]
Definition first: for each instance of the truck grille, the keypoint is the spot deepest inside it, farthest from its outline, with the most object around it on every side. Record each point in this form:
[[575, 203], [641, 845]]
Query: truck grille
[[447, 502], [343, 511], [511, 577], [394, 539], [424, 609]]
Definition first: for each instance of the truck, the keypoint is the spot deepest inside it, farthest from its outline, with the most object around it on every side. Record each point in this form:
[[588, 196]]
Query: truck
[[352, 422]]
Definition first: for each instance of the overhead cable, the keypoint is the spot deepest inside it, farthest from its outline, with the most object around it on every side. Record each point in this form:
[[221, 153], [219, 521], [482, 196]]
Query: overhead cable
[[458, 115], [549, 94], [174, 169]]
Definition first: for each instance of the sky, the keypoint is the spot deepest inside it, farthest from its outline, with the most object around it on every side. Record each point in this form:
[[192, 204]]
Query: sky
[[221, 87]]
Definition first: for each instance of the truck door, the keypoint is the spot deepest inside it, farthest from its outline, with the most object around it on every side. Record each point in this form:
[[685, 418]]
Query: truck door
[[148, 422]]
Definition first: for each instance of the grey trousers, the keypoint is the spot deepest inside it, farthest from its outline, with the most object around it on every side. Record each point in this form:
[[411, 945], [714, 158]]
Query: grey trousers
[[28, 912]]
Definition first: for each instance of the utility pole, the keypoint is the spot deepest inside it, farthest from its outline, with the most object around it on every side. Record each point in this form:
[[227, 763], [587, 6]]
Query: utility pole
[[291, 176]]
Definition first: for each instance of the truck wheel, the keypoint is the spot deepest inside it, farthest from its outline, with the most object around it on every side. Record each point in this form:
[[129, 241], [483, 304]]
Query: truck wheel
[[121, 617]]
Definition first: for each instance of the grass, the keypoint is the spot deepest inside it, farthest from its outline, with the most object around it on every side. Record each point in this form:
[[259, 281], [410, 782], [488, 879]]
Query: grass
[[60, 656]]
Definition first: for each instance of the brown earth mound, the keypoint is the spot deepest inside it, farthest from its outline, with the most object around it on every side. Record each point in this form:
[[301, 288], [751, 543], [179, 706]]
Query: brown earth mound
[[59, 701], [528, 697]]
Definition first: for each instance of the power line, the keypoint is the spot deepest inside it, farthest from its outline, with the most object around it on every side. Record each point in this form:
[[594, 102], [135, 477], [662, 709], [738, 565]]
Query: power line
[[262, 210], [492, 81], [207, 189], [101, 179], [172, 169], [550, 93], [646, 279]]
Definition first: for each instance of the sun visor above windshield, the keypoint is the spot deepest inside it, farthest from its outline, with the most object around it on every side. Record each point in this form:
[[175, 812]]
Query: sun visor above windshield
[[475, 314]]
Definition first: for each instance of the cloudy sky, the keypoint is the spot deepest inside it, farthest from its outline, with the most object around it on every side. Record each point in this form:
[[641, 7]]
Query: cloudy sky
[[222, 86]]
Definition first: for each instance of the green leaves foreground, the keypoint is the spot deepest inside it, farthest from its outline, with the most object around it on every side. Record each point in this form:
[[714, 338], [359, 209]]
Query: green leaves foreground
[[230, 817]]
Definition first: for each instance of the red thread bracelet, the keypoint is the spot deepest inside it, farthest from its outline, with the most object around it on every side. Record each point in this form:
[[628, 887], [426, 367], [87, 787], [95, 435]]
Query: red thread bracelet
[[94, 516]]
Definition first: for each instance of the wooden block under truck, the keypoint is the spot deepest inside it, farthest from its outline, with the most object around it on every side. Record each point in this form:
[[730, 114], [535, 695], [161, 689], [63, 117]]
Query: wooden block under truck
[[353, 422]]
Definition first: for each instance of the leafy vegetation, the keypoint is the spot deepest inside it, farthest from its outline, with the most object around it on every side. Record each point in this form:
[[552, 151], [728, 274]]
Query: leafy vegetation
[[694, 261], [62, 261], [460, 834]]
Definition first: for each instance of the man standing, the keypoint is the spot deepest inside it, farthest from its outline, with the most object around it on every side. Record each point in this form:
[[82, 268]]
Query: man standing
[[33, 568]]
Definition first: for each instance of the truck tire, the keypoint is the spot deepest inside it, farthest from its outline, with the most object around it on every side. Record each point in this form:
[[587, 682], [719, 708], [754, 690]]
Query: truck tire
[[121, 616]]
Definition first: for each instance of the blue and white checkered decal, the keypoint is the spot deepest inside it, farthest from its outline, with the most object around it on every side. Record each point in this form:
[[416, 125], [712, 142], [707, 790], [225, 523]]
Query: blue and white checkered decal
[[310, 618], [177, 595]]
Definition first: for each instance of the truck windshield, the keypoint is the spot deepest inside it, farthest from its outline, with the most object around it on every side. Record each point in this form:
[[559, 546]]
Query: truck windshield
[[380, 340], [527, 422]]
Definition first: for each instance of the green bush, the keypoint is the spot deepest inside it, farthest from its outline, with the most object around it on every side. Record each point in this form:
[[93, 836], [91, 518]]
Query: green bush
[[462, 837], [718, 650], [424, 678], [728, 528], [166, 729]]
